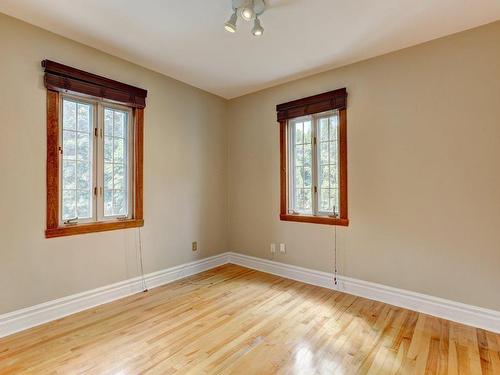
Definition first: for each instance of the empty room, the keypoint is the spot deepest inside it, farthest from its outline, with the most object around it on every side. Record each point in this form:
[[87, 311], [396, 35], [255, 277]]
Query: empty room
[[250, 187]]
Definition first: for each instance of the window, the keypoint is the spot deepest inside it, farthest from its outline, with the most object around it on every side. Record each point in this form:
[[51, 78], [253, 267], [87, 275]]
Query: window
[[117, 164], [94, 152], [314, 159], [96, 176], [313, 145]]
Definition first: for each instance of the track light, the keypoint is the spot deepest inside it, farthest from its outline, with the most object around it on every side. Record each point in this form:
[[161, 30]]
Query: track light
[[231, 24], [247, 13], [257, 30], [248, 10]]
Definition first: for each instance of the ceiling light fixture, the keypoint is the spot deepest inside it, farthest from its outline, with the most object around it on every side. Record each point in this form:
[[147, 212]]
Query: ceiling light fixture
[[247, 13], [257, 30], [231, 24], [248, 10]]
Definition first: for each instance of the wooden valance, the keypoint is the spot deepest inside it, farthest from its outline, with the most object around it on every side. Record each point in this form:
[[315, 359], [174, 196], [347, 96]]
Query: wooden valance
[[327, 101], [59, 77]]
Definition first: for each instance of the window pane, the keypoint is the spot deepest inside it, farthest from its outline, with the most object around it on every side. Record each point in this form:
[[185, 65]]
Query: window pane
[[299, 177], [69, 174], [303, 200], [108, 149], [333, 176], [299, 155], [108, 122], [119, 150], [307, 200], [334, 202], [77, 164], [119, 177], [83, 204], [333, 128], [324, 156], [69, 204], [108, 176], [83, 146], [83, 175], [116, 179], [108, 202], [299, 134], [120, 202], [69, 115], [324, 176], [307, 132], [69, 144], [307, 177], [325, 200], [333, 152], [307, 155], [323, 129], [119, 128], [84, 117]]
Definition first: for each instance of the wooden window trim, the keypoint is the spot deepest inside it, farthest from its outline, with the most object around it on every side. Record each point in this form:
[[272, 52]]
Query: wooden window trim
[[332, 100], [60, 78]]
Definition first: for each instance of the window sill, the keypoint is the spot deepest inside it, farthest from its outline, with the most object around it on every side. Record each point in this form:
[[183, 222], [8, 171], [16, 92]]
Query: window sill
[[315, 219], [71, 230]]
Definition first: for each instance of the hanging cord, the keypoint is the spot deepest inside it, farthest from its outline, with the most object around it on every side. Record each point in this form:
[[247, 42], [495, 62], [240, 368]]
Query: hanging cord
[[144, 285], [335, 253]]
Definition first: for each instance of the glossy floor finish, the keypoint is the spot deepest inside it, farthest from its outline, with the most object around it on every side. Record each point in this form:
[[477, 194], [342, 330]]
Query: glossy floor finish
[[232, 320]]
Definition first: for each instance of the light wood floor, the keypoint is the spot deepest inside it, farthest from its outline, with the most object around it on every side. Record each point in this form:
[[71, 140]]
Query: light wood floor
[[233, 320]]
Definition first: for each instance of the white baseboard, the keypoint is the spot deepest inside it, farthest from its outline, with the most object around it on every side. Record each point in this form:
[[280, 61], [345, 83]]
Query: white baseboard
[[35, 315], [20, 320], [440, 307]]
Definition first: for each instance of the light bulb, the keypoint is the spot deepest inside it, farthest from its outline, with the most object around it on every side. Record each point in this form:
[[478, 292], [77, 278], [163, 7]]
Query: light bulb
[[247, 13]]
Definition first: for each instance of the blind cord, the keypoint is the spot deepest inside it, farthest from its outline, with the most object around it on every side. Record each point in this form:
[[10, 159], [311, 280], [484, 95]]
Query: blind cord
[[144, 285], [335, 254]]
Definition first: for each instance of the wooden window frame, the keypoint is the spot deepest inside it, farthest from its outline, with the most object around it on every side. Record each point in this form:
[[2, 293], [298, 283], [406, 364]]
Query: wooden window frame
[[332, 100], [59, 79]]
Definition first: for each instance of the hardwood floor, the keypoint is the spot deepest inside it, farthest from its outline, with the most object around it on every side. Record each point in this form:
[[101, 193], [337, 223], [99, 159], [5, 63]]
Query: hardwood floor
[[232, 320]]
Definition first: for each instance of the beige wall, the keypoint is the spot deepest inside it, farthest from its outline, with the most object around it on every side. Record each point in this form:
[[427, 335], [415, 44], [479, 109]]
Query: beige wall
[[185, 175], [424, 171], [424, 176]]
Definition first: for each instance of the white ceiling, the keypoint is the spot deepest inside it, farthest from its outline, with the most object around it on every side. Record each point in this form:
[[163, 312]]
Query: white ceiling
[[185, 39]]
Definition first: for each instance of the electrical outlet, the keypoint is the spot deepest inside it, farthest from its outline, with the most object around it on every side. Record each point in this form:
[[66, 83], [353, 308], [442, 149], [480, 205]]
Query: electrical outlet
[[195, 246], [282, 248], [273, 248]]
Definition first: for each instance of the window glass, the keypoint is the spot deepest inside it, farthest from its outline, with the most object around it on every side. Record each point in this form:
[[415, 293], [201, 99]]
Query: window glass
[[314, 164], [328, 165], [115, 162], [303, 167], [77, 160]]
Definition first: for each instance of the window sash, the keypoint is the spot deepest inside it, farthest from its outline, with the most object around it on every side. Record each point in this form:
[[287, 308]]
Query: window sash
[[335, 207], [293, 167], [97, 160], [92, 158], [315, 164], [129, 165]]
